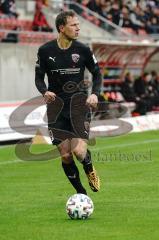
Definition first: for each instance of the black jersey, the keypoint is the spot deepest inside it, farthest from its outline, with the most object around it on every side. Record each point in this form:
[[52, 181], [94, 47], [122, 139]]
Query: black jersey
[[65, 69]]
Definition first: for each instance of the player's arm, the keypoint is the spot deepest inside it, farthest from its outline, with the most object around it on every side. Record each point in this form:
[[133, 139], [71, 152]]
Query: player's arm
[[40, 71], [92, 65]]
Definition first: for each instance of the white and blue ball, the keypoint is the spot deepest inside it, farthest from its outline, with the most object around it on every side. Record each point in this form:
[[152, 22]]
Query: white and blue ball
[[79, 206]]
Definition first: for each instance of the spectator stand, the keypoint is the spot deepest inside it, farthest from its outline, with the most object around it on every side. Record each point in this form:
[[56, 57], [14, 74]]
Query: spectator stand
[[97, 19], [40, 22], [115, 59], [15, 30], [134, 17], [8, 9], [103, 14], [24, 32]]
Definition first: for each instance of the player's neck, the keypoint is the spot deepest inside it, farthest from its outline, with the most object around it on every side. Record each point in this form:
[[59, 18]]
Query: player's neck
[[63, 42]]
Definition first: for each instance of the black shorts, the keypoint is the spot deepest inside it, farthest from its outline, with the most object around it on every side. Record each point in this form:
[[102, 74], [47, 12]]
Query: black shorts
[[68, 127]]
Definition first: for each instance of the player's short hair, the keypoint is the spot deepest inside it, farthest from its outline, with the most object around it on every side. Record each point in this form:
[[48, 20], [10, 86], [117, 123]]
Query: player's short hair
[[61, 18]]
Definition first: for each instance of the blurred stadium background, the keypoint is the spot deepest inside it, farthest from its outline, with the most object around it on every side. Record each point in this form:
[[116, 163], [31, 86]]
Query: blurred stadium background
[[124, 36]]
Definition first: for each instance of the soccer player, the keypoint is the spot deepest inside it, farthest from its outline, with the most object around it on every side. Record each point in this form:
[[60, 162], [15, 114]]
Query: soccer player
[[68, 103]]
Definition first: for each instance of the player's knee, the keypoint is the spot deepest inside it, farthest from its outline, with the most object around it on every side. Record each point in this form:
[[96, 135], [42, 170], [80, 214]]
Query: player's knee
[[79, 153], [66, 157]]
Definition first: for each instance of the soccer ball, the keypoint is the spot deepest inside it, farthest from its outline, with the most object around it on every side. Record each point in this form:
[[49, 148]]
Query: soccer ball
[[79, 206]]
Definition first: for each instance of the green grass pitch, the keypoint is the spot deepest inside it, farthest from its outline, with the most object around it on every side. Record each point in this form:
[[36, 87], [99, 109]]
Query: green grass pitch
[[33, 194]]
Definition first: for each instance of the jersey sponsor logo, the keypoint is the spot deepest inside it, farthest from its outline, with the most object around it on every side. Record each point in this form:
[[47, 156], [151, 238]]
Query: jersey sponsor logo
[[75, 57], [52, 58], [63, 71]]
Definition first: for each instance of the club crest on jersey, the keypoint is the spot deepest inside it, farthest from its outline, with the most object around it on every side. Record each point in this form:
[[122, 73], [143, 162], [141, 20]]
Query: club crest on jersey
[[75, 57]]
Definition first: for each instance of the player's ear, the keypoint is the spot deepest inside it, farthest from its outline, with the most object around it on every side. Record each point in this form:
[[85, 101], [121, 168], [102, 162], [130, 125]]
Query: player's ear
[[61, 28]]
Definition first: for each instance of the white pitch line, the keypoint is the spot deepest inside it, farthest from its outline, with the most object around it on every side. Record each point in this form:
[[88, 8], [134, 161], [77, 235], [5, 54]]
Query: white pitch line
[[10, 162], [95, 149], [126, 144]]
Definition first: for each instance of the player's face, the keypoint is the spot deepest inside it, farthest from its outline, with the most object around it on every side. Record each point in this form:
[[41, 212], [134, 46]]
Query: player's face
[[72, 28]]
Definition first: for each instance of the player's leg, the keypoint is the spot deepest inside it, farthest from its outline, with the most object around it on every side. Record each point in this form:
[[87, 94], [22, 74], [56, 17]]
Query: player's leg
[[59, 131], [69, 166], [79, 149]]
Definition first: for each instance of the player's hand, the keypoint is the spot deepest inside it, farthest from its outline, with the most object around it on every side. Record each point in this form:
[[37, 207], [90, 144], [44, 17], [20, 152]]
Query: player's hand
[[92, 101], [49, 96]]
